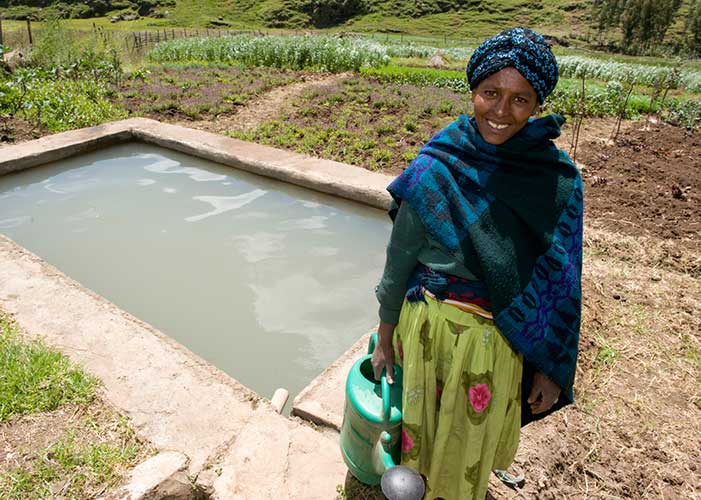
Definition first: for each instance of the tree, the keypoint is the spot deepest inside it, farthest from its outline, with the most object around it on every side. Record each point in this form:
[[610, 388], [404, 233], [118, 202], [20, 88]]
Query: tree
[[693, 27], [325, 13], [606, 14], [642, 22], [645, 22]]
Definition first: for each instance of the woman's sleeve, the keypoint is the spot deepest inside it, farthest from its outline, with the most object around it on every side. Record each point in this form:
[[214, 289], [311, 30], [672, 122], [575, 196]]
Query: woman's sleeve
[[408, 236]]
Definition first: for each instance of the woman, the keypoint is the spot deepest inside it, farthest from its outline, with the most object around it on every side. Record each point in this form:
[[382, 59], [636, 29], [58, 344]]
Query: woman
[[480, 296]]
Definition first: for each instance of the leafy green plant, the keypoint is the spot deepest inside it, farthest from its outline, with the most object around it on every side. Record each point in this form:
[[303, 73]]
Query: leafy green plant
[[422, 77], [56, 101], [683, 113]]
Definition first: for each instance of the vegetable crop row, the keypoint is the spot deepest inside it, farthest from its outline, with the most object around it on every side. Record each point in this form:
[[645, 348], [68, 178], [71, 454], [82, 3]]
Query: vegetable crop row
[[295, 52]]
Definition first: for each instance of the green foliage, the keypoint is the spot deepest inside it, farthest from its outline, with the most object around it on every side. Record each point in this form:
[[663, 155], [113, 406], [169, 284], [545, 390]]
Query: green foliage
[[692, 28], [607, 101], [68, 82], [646, 21], [643, 23], [34, 378], [324, 53], [362, 122], [326, 13], [59, 47], [683, 113], [422, 77], [44, 9], [57, 100]]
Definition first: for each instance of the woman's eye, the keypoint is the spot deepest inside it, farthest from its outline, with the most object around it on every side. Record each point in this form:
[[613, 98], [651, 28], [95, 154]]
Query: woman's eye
[[490, 93]]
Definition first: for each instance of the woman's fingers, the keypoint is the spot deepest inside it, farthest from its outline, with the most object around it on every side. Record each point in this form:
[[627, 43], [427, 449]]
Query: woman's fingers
[[544, 394], [533, 396], [390, 371], [383, 359]]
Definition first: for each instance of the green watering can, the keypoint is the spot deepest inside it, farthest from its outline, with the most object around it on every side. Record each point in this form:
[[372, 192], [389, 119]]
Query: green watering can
[[372, 428]]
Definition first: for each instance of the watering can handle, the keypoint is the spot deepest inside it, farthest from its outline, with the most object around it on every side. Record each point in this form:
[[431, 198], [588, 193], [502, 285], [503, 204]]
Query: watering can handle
[[372, 342], [385, 397]]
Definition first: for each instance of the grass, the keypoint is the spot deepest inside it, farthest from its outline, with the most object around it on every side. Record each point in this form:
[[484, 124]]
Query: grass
[[34, 378], [45, 399], [72, 467]]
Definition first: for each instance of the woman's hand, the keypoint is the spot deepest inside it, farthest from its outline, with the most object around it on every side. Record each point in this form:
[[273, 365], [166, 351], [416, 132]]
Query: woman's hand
[[383, 355], [544, 394]]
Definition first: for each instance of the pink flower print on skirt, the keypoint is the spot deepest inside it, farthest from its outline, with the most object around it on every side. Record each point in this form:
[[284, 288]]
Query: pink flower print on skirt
[[479, 397], [439, 391], [400, 350], [407, 442]]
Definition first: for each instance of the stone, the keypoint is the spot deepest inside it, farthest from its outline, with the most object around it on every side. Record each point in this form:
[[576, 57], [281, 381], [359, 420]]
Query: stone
[[159, 477], [13, 60], [437, 61]]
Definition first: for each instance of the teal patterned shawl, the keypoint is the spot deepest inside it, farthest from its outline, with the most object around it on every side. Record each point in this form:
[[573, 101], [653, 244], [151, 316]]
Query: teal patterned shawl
[[512, 214]]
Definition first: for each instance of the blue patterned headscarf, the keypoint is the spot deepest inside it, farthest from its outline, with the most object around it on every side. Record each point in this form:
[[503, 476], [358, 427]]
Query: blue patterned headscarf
[[520, 48]]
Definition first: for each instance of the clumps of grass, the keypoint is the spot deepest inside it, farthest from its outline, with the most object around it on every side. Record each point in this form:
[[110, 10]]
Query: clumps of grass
[[34, 378], [72, 467]]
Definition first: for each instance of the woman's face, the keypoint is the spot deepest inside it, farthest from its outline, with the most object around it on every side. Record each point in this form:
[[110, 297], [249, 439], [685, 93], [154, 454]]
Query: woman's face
[[503, 103]]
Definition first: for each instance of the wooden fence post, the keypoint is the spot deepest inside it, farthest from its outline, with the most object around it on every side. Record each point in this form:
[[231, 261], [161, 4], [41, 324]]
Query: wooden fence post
[[29, 31]]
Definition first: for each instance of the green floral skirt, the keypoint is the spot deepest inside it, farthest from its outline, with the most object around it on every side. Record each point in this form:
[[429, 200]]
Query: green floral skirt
[[462, 398]]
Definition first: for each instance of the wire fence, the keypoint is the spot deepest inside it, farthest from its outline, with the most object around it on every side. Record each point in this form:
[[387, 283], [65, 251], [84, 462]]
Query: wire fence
[[139, 41], [131, 41]]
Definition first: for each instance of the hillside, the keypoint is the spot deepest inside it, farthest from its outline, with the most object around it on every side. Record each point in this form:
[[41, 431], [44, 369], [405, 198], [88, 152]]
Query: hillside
[[468, 18], [464, 20]]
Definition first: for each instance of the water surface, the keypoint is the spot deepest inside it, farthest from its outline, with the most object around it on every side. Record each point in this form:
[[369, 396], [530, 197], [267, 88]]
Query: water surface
[[267, 281]]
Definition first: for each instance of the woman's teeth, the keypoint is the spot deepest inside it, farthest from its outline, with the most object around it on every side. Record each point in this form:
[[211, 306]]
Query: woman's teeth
[[497, 126]]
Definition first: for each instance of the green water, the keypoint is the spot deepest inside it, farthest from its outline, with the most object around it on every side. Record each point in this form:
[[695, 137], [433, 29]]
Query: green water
[[265, 280]]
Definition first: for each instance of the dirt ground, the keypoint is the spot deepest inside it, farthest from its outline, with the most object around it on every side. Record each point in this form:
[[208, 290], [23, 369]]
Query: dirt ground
[[29, 442], [635, 430]]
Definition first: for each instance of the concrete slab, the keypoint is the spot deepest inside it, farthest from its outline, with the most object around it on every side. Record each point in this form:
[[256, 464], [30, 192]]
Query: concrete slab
[[339, 179], [322, 400], [66, 144]]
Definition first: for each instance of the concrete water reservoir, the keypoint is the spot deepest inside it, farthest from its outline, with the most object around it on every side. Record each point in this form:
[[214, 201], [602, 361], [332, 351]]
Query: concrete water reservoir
[[268, 281], [234, 442]]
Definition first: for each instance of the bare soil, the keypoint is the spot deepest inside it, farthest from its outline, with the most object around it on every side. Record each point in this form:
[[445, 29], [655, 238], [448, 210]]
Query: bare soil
[[266, 107]]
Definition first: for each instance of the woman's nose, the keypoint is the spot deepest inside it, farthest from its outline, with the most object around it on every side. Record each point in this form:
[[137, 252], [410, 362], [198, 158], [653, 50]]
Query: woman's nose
[[501, 108]]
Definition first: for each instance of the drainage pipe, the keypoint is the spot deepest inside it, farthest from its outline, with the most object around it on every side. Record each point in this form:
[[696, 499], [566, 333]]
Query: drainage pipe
[[279, 399]]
